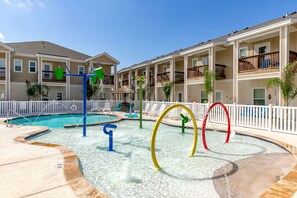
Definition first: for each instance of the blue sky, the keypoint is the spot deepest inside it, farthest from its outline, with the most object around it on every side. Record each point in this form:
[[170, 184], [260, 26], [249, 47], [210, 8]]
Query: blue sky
[[131, 30]]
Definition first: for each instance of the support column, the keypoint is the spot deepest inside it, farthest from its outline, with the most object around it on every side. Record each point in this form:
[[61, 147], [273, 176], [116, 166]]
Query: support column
[[136, 95], [147, 76], [212, 63], [7, 76], [235, 71], [156, 82], [172, 79], [39, 69], [186, 78], [284, 50], [130, 79], [68, 81], [115, 82]]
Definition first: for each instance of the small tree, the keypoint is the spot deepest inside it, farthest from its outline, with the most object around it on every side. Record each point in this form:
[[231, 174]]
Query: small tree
[[208, 80], [92, 90], [286, 83], [167, 87], [34, 90]]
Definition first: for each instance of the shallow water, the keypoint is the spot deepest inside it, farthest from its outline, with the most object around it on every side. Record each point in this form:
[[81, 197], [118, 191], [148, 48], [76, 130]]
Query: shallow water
[[129, 171], [59, 120]]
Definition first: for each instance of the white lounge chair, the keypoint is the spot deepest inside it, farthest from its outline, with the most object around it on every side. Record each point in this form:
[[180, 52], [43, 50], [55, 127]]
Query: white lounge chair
[[95, 106], [145, 110], [162, 108], [153, 112], [106, 107]]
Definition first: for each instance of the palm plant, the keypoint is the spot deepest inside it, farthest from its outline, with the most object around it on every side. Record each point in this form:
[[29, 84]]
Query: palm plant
[[167, 87], [286, 83], [208, 80], [34, 90], [92, 90]]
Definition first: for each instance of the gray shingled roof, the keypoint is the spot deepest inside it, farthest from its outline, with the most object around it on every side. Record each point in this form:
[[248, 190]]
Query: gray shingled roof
[[222, 38], [48, 48]]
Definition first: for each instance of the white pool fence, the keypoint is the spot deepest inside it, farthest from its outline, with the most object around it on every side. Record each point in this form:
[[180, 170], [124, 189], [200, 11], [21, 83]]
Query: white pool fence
[[270, 118]]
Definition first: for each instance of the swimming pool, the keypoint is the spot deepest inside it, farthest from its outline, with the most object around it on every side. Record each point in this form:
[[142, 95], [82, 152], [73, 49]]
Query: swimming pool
[[60, 120], [129, 171]]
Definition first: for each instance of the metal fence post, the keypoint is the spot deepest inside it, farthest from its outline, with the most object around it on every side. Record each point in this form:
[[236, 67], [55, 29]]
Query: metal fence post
[[234, 114], [270, 118]]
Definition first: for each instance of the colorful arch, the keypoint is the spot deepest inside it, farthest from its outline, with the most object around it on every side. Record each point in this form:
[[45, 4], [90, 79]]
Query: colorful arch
[[205, 120], [153, 152]]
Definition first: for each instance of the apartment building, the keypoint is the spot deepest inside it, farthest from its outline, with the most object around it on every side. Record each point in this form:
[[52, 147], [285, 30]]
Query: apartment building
[[36, 61], [243, 62]]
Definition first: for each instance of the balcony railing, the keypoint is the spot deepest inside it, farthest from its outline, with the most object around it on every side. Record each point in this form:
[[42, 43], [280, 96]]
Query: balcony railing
[[179, 77], [108, 80], [152, 81], [163, 77], [49, 76], [196, 72], [2, 73], [125, 82], [259, 62]]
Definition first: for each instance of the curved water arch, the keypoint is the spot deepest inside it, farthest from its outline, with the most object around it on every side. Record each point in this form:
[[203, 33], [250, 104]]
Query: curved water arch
[[205, 120], [153, 153]]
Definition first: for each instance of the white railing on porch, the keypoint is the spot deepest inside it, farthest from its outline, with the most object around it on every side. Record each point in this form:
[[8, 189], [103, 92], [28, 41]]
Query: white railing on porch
[[270, 118]]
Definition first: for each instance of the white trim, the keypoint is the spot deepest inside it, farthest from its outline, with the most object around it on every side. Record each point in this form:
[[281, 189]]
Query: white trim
[[80, 66], [161, 59], [260, 75], [52, 57], [198, 48], [261, 30], [247, 51], [257, 46], [15, 65], [6, 46], [25, 55], [259, 98], [29, 66], [102, 54], [77, 61]]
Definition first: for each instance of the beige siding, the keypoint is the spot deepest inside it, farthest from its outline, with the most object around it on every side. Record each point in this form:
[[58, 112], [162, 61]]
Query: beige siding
[[25, 75], [74, 70], [194, 93], [2, 55], [226, 89], [3, 49], [179, 66], [225, 57], [293, 41], [76, 92], [246, 91], [274, 45], [103, 59], [179, 89]]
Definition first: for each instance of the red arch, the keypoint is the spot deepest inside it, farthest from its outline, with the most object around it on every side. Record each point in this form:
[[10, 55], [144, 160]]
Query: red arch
[[205, 120]]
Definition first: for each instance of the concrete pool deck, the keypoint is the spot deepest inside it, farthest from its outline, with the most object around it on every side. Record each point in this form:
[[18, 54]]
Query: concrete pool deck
[[35, 171]]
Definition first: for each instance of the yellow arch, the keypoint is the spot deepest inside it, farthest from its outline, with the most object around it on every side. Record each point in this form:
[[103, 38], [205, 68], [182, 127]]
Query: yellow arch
[[153, 152]]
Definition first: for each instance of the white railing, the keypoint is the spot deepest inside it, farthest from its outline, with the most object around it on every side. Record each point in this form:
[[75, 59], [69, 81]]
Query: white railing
[[270, 118]]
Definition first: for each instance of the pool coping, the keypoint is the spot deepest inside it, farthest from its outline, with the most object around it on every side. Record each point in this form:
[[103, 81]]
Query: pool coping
[[285, 187]]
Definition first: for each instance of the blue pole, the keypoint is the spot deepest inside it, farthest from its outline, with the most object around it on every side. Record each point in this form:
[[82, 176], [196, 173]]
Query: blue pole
[[85, 105], [110, 141]]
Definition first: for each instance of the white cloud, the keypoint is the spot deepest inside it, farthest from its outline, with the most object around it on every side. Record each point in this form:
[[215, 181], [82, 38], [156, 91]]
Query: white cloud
[[23, 4], [2, 37]]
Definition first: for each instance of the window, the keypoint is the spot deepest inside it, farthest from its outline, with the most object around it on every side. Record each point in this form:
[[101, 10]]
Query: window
[[45, 95], [18, 65], [2, 68], [102, 95], [47, 72], [259, 96], [218, 96], [81, 69], [59, 96], [262, 48], [179, 97], [2, 95], [206, 61], [32, 66], [243, 52], [204, 97], [164, 69], [195, 62]]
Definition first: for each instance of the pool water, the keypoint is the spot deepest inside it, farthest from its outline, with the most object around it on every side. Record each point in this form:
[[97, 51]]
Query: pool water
[[59, 120], [129, 171]]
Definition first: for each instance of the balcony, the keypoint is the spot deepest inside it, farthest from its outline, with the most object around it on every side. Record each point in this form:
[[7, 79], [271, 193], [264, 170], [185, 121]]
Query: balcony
[[108, 80], [267, 61], [152, 81], [164, 77], [125, 82], [49, 76], [2, 73], [197, 72]]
